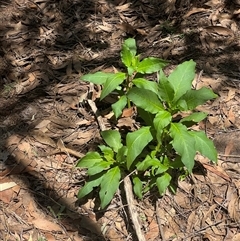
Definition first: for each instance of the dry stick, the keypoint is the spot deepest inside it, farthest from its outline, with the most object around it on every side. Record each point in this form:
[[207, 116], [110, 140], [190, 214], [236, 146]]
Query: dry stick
[[127, 182], [159, 221], [132, 208]]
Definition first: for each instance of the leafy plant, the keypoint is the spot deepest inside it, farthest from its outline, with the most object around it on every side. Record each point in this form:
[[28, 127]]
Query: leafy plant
[[165, 141]]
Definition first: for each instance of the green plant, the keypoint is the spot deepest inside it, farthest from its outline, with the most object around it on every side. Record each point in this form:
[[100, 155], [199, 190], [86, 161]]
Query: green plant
[[165, 141]]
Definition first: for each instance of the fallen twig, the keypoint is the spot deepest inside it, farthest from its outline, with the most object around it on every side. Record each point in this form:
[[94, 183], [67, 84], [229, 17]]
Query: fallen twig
[[132, 208], [127, 182]]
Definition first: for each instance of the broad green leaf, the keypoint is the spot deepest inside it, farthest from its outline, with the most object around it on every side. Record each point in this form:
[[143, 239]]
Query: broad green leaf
[[99, 167], [112, 83], [146, 163], [150, 65], [184, 144], [121, 155], [107, 152], [94, 181], [146, 84], [112, 138], [194, 117], [149, 162], [89, 160], [97, 78], [137, 186], [145, 99], [163, 182], [161, 169], [136, 61], [204, 145], [130, 70], [194, 98], [136, 141], [129, 50], [181, 78], [119, 105], [161, 120], [165, 90], [109, 185]]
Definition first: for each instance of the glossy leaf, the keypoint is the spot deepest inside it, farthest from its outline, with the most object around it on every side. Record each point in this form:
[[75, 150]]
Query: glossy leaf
[[137, 186], [181, 78], [129, 50], [112, 83], [94, 181], [163, 182], [161, 120], [97, 78], [165, 90], [146, 84], [112, 138], [89, 160], [150, 65], [161, 169], [204, 145], [109, 185], [145, 99], [194, 117], [121, 155], [184, 144], [119, 106], [136, 141], [149, 162], [99, 167], [146, 163], [194, 98], [107, 152]]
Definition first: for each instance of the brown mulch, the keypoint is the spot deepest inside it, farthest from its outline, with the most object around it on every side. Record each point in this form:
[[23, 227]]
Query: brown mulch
[[46, 125]]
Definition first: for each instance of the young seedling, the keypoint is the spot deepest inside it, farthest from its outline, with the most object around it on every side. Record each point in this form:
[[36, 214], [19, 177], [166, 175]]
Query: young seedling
[[165, 141]]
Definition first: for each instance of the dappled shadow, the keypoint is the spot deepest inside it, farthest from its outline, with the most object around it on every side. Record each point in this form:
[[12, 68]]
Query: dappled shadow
[[48, 43]]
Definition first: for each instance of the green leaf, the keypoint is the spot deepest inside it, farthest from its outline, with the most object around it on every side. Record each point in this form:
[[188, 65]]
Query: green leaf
[[163, 182], [129, 50], [112, 83], [109, 185], [184, 143], [194, 117], [119, 105], [165, 90], [99, 167], [146, 84], [97, 78], [149, 162], [181, 78], [107, 152], [89, 160], [112, 138], [161, 120], [194, 98], [150, 65], [204, 145], [161, 169], [136, 141], [146, 163], [145, 99], [121, 155], [94, 181], [130, 70], [137, 186]]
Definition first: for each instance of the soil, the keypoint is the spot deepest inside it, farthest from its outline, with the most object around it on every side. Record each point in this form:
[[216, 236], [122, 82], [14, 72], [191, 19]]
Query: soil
[[46, 124]]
